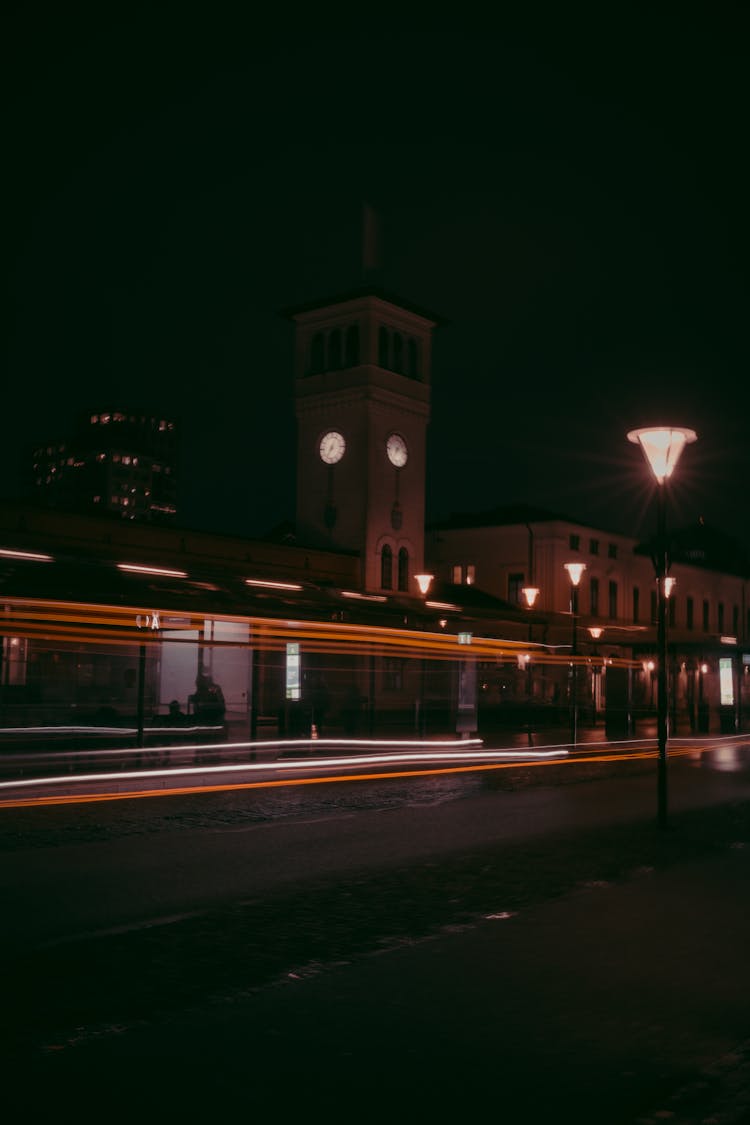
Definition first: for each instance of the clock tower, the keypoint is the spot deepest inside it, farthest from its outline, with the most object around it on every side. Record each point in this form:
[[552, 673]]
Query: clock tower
[[362, 402]]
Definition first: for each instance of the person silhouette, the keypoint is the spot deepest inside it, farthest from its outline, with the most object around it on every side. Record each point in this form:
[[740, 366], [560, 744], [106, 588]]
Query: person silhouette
[[176, 714], [208, 699]]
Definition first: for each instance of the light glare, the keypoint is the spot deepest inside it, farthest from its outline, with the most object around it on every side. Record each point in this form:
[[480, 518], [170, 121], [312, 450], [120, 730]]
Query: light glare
[[662, 447], [575, 570]]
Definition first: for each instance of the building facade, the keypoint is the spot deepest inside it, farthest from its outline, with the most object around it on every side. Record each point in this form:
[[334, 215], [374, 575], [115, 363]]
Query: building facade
[[112, 461], [509, 549], [334, 610]]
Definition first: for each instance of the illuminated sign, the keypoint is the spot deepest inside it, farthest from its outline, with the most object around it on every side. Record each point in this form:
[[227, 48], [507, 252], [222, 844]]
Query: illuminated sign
[[726, 682], [147, 621], [292, 671]]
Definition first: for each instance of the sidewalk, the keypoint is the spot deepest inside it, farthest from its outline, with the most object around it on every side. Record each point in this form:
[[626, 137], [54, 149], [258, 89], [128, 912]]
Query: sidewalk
[[622, 1000]]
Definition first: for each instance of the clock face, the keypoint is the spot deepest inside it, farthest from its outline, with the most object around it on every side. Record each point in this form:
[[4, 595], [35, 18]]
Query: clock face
[[332, 447], [396, 449]]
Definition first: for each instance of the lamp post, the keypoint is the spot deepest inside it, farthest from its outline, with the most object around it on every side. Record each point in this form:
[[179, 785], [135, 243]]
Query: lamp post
[[669, 585], [530, 595], [575, 570], [662, 447], [596, 632], [424, 581]]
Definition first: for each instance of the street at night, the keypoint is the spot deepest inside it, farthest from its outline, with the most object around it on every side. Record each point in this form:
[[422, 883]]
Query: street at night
[[523, 938], [375, 570]]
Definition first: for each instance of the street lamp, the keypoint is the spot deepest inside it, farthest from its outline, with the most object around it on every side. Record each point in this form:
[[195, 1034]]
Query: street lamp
[[424, 581], [662, 447], [575, 571], [595, 632], [530, 595]]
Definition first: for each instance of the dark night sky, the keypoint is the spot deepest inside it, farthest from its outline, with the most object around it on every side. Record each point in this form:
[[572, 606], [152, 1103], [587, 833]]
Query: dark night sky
[[572, 199]]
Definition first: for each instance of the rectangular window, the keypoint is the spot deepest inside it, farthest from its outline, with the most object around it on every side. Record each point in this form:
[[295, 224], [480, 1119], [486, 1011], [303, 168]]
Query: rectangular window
[[594, 597], [736, 620], [613, 600], [653, 607], [471, 572], [721, 617], [636, 605], [705, 616], [689, 613], [515, 585], [594, 546], [457, 575], [672, 609], [393, 673], [612, 551], [574, 542]]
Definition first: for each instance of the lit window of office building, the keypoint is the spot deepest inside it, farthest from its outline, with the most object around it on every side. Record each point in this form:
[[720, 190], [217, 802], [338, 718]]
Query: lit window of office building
[[128, 457]]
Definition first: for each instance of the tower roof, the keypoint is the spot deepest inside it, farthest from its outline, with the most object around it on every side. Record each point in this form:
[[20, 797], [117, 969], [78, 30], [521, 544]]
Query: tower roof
[[359, 293]]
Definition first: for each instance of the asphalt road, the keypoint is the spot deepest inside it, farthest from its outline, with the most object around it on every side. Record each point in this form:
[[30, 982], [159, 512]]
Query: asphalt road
[[526, 940]]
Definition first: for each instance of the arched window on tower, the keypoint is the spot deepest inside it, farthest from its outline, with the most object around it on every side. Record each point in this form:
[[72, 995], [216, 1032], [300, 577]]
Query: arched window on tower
[[412, 359], [403, 569], [398, 353], [334, 350], [383, 346], [316, 354], [352, 346], [386, 568]]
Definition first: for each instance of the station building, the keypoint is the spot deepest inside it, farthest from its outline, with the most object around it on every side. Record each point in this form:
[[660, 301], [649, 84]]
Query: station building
[[358, 617]]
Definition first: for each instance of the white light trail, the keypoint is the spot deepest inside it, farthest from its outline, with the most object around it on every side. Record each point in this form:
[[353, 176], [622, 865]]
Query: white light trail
[[30, 556], [462, 750], [135, 568]]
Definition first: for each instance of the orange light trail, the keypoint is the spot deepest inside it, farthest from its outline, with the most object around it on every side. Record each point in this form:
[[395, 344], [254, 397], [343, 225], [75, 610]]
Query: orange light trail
[[182, 791], [90, 622]]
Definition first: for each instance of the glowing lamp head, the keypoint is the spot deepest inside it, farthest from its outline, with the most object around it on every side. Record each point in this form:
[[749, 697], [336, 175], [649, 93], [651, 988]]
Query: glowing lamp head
[[530, 593], [669, 585], [424, 581], [662, 447], [596, 631], [575, 570]]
